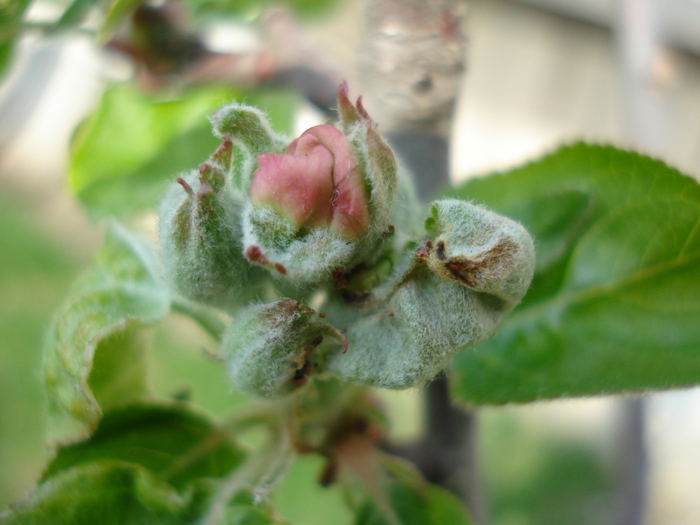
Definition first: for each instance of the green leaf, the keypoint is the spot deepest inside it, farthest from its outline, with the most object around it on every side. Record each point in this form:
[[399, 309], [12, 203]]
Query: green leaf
[[171, 439], [124, 155], [107, 493], [10, 18], [120, 493], [614, 303], [411, 501], [93, 327], [246, 7]]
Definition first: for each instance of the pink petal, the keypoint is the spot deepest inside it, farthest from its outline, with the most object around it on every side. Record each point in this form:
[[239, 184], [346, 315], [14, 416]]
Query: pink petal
[[297, 186]]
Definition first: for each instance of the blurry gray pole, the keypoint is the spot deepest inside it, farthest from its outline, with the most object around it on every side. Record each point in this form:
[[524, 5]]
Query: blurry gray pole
[[411, 65], [639, 51]]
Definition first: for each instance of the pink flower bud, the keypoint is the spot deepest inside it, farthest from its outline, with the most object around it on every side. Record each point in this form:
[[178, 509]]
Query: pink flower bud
[[315, 182]]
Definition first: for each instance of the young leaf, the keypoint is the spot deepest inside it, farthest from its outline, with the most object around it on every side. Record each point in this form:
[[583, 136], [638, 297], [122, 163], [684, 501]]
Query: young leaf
[[121, 292], [74, 14], [122, 156], [170, 439], [614, 302]]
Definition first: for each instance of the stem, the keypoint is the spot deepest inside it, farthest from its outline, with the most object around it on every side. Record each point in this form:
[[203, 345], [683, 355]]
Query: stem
[[50, 27], [637, 33], [256, 416], [259, 473], [631, 465], [456, 433], [208, 320]]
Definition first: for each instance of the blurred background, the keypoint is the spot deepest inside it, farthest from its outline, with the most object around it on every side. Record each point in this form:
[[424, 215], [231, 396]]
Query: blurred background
[[539, 73]]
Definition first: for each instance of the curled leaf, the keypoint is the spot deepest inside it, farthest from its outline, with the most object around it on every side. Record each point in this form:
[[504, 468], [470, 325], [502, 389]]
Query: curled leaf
[[122, 291]]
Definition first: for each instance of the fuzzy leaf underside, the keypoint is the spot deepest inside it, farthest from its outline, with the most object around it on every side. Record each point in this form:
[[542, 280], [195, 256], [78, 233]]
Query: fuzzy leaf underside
[[95, 326], [614, 303]]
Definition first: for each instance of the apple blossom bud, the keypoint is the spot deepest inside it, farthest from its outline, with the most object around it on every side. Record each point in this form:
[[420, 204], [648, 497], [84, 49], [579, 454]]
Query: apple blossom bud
[[326, 202], [480, 249], [248, 126], [269, 348], [200, 241], [316, 182]]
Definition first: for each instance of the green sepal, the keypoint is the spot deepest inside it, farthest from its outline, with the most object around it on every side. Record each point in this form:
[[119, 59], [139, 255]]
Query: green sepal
[[302, 258]]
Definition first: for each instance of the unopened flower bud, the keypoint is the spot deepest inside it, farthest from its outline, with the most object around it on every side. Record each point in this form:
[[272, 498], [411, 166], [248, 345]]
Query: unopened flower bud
[[248, 126], [480, 249], [325, 202], [316, 182], [200, 240], [269, 348]]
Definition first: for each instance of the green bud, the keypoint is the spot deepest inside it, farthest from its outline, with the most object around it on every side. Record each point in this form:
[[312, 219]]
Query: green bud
[[479, 249], [247, 126], [269, 348], [200, 243]]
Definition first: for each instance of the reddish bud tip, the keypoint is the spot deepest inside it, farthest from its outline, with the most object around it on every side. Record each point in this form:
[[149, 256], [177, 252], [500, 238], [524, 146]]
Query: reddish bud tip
[[290, 306], [316, 182], [361, 110]]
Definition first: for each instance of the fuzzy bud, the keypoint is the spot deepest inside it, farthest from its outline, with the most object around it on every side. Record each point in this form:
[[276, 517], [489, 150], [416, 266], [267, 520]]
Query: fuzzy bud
[[325, 203], [200, 240], [479, 249], [248, 126], [269, 348]]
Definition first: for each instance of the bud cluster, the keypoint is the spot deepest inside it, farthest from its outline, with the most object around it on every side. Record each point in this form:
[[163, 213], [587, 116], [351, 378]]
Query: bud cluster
[[330, 211]]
